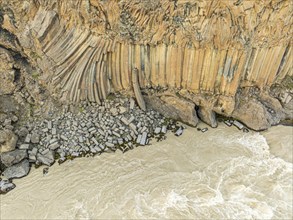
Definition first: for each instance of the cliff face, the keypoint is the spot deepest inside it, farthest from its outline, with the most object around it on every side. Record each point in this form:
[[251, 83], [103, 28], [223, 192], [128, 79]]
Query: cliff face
[[231, 58]]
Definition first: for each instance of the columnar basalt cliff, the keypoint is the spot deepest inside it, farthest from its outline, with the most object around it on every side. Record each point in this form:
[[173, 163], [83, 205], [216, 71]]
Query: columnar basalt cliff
[[230, 58]]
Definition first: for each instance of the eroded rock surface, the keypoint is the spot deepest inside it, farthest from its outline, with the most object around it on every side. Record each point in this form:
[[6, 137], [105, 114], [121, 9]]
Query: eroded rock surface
[[208, 116], [174, 107], [74, 51]]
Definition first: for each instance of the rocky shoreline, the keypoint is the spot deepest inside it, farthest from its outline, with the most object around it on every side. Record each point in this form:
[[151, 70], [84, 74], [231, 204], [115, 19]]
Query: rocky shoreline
[[185, 63], [92, 129]]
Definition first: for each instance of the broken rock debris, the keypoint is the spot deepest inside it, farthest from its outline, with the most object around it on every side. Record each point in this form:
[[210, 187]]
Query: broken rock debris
[[115, 124]]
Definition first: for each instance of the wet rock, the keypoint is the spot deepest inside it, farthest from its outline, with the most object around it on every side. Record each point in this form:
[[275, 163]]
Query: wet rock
[[208, 116], [13, 157], [138, 139], [18, 170], [253, 114], [228, 123], [6, 186], [179, 131], [259, 113], [8, 140], [45, 171], [245, 130], [143, 140], [164, 129], [238, 125], [204, 130]]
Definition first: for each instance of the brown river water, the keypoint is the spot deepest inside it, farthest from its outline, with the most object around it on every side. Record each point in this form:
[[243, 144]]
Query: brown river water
[[221, 174]]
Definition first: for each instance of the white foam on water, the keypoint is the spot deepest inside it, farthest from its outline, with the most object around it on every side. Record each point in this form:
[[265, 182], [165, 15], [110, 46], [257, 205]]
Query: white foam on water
[[79, 211], [222, 174], [249, 187], [239, 188]]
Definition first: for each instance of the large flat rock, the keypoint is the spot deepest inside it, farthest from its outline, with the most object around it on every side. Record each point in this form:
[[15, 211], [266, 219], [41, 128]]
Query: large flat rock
[[13, 157], [18, 170]]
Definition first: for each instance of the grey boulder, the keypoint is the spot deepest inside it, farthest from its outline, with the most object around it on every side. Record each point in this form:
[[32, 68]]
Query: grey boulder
[[18, 170], [47, 158], [13, 157], [6, 186], [173, 107]]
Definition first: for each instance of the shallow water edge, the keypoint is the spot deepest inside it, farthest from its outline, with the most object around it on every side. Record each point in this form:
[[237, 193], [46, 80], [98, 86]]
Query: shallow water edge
[[221, 174]]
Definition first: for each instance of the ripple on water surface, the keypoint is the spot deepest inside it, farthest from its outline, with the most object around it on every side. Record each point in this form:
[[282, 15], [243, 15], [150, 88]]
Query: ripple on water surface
[[220, 174]]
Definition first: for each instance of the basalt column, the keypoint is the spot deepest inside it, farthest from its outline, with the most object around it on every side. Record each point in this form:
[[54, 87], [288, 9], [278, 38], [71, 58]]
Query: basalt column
[[232, 58]]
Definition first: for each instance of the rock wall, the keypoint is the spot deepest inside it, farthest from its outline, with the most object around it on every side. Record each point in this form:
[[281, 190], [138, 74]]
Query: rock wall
[[233, 58]]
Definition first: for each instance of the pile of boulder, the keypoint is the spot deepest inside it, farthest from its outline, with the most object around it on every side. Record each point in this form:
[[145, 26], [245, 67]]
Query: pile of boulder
[[14, 162], [86, 129], [92, 129]]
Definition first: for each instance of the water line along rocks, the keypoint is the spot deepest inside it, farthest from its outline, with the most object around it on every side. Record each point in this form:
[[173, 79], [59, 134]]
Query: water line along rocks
[[88, 129], [116, 124]]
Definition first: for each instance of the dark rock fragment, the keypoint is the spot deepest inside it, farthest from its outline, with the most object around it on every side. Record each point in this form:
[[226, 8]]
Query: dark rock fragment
[[18, 170], [6, 186]]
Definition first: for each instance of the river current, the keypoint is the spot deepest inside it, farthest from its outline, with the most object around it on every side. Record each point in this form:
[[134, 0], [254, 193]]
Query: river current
[[221, 174]]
